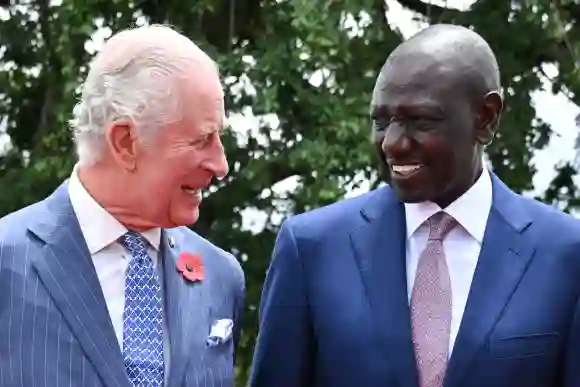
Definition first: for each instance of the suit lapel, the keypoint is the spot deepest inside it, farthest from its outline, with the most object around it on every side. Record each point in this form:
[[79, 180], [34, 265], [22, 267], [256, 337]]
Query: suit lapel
[[504, 257], [379, 245], [68, 274], [187, 307]]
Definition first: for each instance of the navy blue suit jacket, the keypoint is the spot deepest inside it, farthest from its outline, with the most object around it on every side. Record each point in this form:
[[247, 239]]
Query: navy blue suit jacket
[[334, 310], [55, 329]]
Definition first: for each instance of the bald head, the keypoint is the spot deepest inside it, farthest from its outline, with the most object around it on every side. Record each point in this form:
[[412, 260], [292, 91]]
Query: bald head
[[140, 75], [454, 52]]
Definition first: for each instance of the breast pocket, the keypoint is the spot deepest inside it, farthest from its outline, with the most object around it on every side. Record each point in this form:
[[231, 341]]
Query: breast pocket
[[525, 346]]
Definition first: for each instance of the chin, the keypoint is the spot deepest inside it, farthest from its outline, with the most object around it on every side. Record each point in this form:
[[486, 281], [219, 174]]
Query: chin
[[186, 218], [412, 199], [409, 196]]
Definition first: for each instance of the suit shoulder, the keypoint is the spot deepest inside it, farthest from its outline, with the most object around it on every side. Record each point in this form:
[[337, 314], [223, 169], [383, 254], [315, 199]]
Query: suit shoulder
[[550, 215], [550, 229], [15, 225], [225, 261], [554, 234], [14, 237], [333, 216]]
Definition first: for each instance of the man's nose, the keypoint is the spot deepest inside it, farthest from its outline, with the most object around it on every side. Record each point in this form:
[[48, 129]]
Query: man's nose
[[396, 139], [216, 162]]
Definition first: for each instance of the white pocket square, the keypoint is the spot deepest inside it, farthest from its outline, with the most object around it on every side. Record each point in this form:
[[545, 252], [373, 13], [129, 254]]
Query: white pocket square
[[221, 331]]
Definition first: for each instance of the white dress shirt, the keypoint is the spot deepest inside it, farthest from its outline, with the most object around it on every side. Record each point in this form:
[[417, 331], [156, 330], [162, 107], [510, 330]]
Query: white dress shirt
[[101, 232], [462, 245]]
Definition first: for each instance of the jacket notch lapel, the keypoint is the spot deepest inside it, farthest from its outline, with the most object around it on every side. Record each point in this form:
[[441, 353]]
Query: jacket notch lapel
[[67, 272], [504, 258], [379, 244], [187, 308]]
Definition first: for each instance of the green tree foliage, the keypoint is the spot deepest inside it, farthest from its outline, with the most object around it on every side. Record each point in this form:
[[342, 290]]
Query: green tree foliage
[[304, 69]]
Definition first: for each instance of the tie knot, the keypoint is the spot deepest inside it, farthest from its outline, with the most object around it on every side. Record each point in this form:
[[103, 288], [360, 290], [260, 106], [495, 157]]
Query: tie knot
[[440, 224], [135, 243]]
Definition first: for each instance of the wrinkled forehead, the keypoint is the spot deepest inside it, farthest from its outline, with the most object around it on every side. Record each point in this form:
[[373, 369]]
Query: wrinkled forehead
[[203, 99], [408, 82]]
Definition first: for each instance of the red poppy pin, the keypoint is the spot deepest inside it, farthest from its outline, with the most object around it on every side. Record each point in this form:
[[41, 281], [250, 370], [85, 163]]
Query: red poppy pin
[[190, 266]]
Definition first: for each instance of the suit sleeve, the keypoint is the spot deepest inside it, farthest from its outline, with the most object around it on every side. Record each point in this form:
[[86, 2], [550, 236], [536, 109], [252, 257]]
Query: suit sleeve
[[572, 359], [284, 353]]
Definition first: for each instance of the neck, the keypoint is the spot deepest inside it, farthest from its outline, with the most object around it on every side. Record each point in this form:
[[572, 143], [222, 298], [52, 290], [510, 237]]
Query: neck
[[112, 191], [451, 196]]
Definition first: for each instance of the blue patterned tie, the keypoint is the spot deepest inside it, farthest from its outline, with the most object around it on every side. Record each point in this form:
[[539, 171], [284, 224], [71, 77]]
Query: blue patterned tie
[[143, 318]]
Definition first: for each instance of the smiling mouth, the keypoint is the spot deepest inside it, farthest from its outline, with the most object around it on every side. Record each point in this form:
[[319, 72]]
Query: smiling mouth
[[406, 170], [192, 191]]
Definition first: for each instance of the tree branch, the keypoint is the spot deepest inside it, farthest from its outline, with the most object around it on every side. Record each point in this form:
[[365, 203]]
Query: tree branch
[[572, 9], [51, 71], [380, 8], [433, 12]]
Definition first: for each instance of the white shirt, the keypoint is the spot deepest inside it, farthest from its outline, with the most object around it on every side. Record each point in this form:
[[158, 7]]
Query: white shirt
[[101, 232], [462, 245]]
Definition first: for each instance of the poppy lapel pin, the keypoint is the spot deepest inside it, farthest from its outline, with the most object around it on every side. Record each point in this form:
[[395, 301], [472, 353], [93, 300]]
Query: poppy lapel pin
[[191, 267]]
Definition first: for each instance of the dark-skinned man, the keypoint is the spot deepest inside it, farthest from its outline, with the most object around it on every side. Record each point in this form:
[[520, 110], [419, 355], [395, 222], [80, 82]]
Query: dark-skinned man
[[445, 277]]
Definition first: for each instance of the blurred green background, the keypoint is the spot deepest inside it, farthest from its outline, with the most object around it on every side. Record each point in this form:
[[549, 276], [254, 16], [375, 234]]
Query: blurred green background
[[298, 76]]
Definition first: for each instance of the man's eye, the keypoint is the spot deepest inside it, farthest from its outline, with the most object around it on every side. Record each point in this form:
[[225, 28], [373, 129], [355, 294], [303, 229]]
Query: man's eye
[[202, 140], [381, 124], [422, 124]]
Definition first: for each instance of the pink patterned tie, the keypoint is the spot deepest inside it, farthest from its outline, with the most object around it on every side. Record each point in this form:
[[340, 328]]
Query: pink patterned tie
[[431, 305]]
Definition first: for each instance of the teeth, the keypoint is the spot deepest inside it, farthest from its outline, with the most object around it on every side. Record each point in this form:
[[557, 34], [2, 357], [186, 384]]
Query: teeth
[[191, 191], [405, 169]]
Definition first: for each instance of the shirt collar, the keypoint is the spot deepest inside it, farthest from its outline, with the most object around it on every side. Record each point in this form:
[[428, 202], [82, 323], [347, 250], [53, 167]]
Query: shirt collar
[[99, 228], [470, 210]]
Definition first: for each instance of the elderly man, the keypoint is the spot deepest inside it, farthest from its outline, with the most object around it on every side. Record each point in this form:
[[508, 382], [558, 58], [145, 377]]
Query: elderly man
[[445, 277], [101, 284]]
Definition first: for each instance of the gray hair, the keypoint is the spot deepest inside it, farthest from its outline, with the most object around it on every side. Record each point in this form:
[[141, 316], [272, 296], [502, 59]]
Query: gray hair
[[132, 78]]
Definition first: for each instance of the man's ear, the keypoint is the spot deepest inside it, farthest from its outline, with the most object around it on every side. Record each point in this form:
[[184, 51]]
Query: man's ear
[[489, 116], [122, 142]]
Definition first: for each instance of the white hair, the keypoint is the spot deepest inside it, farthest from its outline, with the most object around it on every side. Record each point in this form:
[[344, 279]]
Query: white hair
[[133, 78]]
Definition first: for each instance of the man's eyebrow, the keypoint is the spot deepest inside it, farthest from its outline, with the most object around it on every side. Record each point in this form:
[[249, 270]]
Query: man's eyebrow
[[420, 108], [225, 126], [220, 128], [427, 108], [377, 110]]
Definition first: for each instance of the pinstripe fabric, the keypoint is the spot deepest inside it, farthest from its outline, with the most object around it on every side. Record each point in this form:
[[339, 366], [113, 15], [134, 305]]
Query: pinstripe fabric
[[55, 330]]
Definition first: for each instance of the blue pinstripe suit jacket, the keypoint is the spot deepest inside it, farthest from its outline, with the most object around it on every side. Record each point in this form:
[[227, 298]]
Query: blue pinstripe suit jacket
[[55, 330]]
